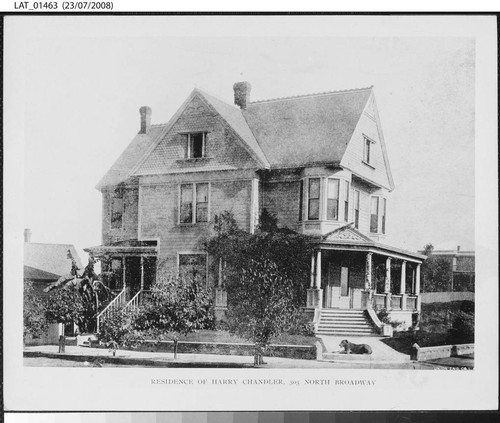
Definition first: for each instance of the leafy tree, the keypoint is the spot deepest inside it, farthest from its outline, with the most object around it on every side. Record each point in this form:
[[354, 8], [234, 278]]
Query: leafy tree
[[436, 271], [261, 304], [34, 319], [176, 306], [266, 273]]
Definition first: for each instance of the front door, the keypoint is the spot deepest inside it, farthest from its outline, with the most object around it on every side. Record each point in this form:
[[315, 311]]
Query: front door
[[132, 275], [337, 292]]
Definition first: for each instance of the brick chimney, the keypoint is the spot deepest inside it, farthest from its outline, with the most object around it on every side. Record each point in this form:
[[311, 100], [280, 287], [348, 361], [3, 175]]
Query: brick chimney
[[145, 119], [242, 94], [27, 235]]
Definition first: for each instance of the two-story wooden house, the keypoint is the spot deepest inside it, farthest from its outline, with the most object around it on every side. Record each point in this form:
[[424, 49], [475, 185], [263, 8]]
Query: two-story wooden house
[[317, 162]]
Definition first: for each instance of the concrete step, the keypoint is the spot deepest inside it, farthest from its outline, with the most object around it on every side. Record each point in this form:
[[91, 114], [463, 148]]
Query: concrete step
[[343, 319]]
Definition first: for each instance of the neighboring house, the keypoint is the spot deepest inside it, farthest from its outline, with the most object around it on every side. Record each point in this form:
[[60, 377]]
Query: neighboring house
[[317, 162], [46, 263], [43, 265], [460, 272]]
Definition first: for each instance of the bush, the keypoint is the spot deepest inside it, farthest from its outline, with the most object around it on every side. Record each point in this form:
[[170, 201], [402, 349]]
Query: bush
[[117, 330], [462, 331], [302, 326]]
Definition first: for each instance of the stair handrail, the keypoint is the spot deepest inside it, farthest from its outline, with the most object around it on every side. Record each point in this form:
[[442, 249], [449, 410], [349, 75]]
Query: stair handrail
[[119, 300]]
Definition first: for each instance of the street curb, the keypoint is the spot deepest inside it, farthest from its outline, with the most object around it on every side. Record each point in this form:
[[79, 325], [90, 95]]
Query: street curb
[[93, 359]]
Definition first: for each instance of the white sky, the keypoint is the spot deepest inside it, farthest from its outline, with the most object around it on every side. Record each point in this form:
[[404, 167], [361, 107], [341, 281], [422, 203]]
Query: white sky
[[81, 81]]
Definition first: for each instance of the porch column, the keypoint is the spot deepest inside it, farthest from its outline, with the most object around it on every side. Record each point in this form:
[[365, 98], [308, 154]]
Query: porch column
[[417, 287], [219, 282], [387, 287], [142, 273], [368, 271], [220, 294], [315, 293], [124, 267], [403, 285], [318, 270], [312, 271]]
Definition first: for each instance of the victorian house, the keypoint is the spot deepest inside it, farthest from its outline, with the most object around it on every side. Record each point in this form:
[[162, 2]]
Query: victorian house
[[317, 162]]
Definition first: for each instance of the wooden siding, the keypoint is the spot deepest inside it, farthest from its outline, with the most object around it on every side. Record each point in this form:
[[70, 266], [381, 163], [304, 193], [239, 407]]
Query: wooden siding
[[282, 200], [353, 156], [160, 211], [129, 216]]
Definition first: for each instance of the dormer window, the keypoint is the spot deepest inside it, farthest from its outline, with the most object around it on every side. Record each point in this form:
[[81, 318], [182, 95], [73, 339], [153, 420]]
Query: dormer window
[[196, 145]]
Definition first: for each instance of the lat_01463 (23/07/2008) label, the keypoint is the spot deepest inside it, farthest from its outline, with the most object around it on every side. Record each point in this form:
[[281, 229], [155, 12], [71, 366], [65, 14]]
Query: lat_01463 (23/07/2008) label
[[65, 5]]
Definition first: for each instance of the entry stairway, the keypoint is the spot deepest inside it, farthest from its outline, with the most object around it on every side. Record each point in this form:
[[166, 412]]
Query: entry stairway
[[339, 322]]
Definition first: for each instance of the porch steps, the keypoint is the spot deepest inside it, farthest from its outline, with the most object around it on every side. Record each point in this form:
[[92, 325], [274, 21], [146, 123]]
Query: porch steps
[[344, 322]]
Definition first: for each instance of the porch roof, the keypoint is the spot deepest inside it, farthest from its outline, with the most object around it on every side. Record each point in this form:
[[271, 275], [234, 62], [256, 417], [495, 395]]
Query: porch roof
[[349, 238], [127, 247]]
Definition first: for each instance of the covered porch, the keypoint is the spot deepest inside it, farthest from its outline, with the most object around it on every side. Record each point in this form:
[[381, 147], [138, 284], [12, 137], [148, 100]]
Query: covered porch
[[128, 270], [350, 271]]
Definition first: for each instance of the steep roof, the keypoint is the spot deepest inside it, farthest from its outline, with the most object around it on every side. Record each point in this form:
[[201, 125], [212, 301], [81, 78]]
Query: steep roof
[[306, 129], [48, 261], [123, 166], [283, 132], [233, 116]]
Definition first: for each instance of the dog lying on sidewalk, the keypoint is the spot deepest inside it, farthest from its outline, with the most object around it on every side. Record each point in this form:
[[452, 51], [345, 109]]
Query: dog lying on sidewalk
[[350, 348]]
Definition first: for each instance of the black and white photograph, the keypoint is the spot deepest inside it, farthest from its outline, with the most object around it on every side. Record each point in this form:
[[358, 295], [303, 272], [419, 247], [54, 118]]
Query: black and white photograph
[[255, 203]]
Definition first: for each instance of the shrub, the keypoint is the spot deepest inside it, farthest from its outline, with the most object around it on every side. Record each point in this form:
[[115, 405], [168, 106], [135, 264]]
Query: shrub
[[462, 330], [117, 330]]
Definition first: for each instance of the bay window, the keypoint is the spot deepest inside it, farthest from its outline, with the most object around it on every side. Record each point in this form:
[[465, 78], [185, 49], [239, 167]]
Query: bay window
[[346, 201], [356, 209], [332, 205], [374, 214], [313, 206], [384, 210]]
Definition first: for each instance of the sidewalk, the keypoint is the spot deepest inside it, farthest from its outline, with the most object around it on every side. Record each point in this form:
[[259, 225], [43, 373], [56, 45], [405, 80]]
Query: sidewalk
[[381, 351], [103, 357]]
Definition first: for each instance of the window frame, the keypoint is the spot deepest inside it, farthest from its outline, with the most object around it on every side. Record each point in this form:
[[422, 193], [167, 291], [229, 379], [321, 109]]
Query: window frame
[[318, 198], [347, 191], [383, 215], [190, 145], [367, 151], [115, 195], [194, 203], [337, 217], [377, 198], [193, 253], [357, 205]]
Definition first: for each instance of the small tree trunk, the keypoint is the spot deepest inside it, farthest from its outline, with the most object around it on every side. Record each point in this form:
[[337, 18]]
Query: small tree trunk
[[176, 341], [62, 343]]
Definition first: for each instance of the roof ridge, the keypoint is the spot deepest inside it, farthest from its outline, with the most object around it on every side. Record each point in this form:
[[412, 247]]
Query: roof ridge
[[313, 94]]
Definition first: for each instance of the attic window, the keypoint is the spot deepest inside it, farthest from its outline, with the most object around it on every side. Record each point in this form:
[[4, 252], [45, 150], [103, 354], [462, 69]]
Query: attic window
[[196, 145], [367, 151]]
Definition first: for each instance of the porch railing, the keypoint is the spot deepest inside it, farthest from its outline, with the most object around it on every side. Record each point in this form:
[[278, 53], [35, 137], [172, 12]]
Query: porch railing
[[396, 302], [117, 303], [133, 304], [411, 303], [379, 300]]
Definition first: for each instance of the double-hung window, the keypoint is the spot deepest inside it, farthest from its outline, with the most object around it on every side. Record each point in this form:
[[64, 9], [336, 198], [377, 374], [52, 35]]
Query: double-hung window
[[356, 209], [346, 201], [314, 192], [332, 200], [194, 203], [384, 213], [195, 145], [367, 151], [301, 198], [374, 214]]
